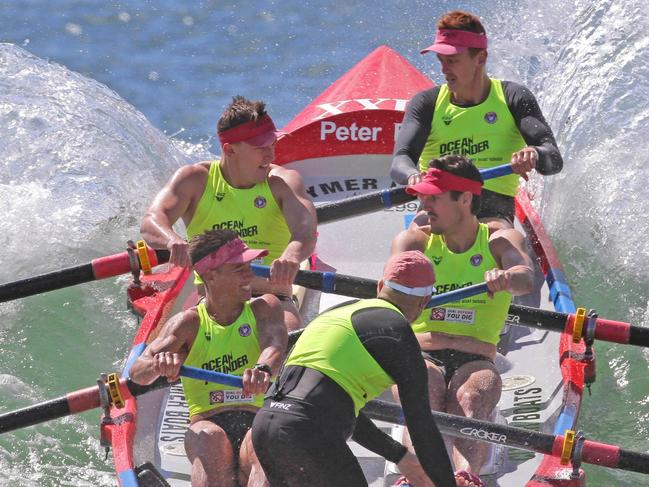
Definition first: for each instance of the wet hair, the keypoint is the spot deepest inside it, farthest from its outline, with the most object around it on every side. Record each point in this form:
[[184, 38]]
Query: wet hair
[[460, 20], [240, 110], [460, 166], [205, 243]]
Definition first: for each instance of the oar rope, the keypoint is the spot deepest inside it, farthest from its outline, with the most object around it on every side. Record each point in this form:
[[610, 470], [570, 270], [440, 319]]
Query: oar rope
[[577, 324], [118, 390], [383, 199]]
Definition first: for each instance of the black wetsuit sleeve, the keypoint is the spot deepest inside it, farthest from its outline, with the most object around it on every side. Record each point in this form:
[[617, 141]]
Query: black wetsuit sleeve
[[388, 338], [533, 127], [413, 134], [367, 434]]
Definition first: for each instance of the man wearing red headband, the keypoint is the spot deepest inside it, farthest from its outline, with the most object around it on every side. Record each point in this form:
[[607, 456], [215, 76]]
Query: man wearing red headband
[[492, 122], [459, 340], [265, 204], [230, 333]]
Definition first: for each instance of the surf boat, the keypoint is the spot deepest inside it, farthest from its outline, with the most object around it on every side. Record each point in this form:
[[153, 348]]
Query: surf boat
[[341, 144]]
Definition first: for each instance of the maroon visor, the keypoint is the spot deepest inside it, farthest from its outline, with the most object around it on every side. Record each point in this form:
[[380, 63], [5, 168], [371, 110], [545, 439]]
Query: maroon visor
[[436, 181], [260, 133], [233, 252], [454, 41]]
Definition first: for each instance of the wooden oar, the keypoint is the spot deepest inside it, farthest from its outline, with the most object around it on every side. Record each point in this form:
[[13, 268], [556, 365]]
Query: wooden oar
[[583, 327], [91, 398], [100, 268], [592, 452], [386, 198]]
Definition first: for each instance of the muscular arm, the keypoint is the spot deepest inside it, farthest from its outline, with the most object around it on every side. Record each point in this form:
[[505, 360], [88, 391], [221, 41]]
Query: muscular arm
[[273, 338], [508, 248], [176, 200], [413, 134], [414, 238], [387, 336], [532, 125], [165, 354], [298, 211]]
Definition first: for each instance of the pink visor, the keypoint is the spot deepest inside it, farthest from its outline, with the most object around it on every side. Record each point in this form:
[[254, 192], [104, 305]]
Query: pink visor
[[436, 181], [455, 41], [233, 252], [260, 133]]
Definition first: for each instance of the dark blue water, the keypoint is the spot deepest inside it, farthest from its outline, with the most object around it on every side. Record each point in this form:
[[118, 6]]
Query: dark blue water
[[81, 159]]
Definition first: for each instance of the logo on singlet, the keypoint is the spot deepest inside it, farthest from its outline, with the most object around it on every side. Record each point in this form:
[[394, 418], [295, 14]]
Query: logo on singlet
[[219, 196], [447, 120], [437, 260], [476, 260], [260, 202], [490, 117], [245, 330]]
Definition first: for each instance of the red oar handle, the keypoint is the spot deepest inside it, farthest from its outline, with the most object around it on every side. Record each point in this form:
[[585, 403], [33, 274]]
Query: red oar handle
[[100, 268], [620, 332]]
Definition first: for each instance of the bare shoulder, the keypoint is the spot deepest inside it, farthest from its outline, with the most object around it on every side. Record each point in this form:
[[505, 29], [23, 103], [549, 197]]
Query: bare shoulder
[[414, 238], [280, 175], [507, 245], [193, 172], [266, 306], [183, 325], [501, 236]]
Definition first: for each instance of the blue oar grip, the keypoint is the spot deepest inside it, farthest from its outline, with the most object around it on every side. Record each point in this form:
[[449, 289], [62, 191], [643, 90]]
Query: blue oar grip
[[386, 199], [210, 376], [458, 294], [260, 270], [328, 282], [497, 171]]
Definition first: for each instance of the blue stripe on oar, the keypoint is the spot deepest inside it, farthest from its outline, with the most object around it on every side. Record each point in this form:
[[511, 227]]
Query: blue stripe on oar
[[210, 376], [458, 294], [495, 172], [385, 198], [260, 270], [328, 282]]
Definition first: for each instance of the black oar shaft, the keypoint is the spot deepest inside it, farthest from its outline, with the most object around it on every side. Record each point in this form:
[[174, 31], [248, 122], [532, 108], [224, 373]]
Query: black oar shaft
[[468, 428], [72, 403], [31, 415], [362, 204], [46, 282], [100, 268], [593, 452], [608, 330]]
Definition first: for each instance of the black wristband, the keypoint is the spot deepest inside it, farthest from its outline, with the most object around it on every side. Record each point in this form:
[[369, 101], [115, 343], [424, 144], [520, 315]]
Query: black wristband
[[264, 368]]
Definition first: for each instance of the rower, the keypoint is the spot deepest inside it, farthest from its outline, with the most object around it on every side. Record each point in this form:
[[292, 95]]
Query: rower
[[265, 204], [344, 358], [458, 341], [227, 332], [491, 121]]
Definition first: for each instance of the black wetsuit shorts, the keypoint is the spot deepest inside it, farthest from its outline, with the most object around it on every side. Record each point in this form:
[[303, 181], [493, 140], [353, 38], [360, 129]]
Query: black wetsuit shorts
[[449, 360]]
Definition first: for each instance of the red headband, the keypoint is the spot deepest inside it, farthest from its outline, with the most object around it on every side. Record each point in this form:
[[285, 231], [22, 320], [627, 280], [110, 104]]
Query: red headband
[[454, 41], [259, 133], [436, 181], [233, 252]]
